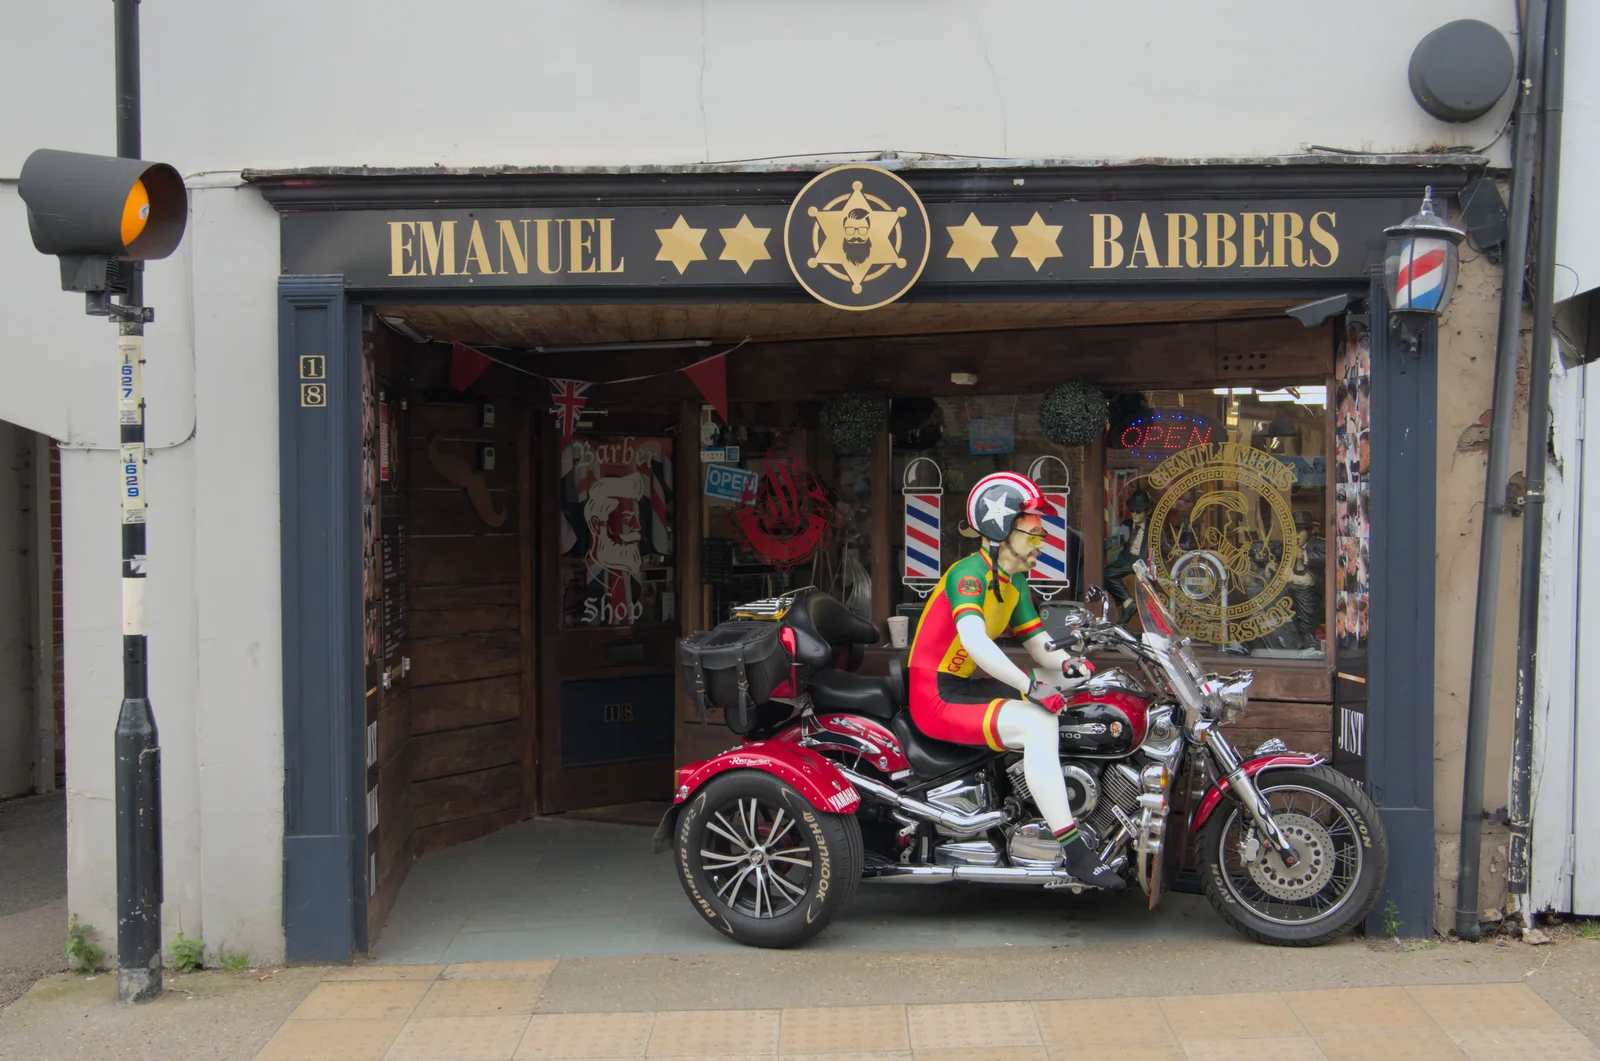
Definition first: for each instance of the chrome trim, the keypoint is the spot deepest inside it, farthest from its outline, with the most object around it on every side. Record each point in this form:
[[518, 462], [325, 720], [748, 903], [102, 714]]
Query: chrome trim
[[1091, 788], [1270, 746], [969, 853], [957, 824], [891, 874]]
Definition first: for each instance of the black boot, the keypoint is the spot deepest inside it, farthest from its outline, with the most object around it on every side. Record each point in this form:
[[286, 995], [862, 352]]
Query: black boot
[[1085, 865]]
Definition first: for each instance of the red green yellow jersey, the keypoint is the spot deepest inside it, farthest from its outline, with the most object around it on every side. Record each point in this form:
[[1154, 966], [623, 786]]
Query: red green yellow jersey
[[966, 589]]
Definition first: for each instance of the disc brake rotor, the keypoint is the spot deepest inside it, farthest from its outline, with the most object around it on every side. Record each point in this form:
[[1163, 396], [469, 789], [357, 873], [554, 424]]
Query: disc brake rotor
[[1313, 846]]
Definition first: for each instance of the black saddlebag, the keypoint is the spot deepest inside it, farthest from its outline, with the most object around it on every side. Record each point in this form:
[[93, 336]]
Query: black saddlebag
[[735, 666]]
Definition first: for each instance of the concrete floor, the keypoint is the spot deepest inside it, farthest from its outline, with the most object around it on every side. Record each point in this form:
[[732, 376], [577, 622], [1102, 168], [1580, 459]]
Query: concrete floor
[[33, 891], [556, 888]]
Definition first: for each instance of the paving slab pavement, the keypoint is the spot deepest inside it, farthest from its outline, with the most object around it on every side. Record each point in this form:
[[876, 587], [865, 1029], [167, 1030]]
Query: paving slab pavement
[[33, 890], [1188, 1001]]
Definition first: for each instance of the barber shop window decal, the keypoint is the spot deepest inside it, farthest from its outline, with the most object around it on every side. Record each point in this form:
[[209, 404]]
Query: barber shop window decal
[[616, 531]]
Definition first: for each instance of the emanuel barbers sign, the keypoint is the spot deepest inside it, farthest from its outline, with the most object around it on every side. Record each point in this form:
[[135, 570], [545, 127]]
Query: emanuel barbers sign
[[855, 237]]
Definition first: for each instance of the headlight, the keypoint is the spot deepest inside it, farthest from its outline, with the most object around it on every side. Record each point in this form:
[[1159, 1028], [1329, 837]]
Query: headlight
[[1235, 694]]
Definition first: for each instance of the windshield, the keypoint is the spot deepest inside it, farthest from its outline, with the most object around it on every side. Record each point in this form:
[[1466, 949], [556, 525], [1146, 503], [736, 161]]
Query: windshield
[[1152, 612]]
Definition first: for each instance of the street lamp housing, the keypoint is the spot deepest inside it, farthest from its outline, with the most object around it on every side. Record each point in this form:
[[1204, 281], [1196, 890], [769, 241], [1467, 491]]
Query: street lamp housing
[[1421, 257]]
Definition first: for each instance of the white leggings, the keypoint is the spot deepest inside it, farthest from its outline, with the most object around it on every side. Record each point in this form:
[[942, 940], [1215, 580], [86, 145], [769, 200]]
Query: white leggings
[[1035, 732]]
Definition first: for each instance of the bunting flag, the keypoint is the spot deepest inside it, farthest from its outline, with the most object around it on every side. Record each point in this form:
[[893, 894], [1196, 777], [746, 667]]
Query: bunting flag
[[711, 376], [466, 365], [570, 396]]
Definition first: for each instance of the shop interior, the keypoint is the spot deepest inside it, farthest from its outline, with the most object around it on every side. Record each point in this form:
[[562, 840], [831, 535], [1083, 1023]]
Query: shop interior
[[524, 593]]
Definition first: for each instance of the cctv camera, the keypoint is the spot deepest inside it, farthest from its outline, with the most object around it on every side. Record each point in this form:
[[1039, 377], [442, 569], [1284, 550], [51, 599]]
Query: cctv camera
[[1315, 314]]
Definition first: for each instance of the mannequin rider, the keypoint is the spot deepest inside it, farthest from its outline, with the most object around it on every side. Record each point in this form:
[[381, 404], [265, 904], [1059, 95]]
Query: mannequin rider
[[963, 687]]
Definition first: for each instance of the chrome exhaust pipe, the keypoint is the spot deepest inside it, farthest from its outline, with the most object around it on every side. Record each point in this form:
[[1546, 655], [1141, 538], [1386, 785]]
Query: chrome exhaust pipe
[[964, 823], [979, 874]]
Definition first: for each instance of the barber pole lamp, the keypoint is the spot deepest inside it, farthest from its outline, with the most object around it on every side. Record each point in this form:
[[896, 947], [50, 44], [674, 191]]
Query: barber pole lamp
[[923, 548], [1419, 269], [1049, 575]]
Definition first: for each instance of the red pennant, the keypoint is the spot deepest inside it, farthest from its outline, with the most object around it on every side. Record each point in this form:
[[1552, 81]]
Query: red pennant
[[711, 376], [466, 365]]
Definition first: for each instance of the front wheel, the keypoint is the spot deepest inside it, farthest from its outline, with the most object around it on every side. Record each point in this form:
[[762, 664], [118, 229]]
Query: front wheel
[[1342, 856], [763, 865]]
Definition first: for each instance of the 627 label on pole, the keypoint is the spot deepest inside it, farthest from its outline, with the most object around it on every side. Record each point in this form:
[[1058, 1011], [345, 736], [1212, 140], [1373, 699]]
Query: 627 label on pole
[[130, 416]]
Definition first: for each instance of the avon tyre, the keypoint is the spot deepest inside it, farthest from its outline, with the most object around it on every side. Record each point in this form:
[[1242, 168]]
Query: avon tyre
[[761, 864], [1344, 857]]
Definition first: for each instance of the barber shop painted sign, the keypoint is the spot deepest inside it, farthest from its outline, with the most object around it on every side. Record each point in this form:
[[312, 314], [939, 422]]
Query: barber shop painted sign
[[616, 531]]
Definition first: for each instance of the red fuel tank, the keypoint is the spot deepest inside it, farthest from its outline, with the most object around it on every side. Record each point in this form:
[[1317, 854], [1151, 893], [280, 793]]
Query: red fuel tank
[[1105, 722]]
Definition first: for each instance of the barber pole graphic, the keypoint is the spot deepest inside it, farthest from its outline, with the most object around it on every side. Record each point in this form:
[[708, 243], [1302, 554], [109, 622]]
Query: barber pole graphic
[[1420, 282], [1049, 574], [923, 542]]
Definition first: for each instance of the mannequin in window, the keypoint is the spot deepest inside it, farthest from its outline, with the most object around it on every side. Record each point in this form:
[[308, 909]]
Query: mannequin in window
[[1130, 543]]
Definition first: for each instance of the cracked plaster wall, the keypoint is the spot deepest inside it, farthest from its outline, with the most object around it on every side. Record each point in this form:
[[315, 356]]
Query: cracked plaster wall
[[1466, 382]]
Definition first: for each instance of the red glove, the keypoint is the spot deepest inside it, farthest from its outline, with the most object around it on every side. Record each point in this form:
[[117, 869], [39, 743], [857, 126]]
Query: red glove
[[1046, 697], [1077, 669]]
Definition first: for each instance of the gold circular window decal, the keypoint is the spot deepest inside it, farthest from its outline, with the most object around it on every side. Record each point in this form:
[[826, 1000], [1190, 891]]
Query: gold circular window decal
[[856, 237], [1224, 539]]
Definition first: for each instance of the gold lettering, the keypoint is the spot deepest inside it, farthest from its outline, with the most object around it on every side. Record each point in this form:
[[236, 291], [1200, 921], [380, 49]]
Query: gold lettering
[[1325, 237], [1220, 251], [1144, 243], [1252, 238], [1107, 251], [542, 227], [438, 248], [1286, 229], [581, 242], [477, 251], [607, 265], [517, 247], [400, 249], [1183, 250]]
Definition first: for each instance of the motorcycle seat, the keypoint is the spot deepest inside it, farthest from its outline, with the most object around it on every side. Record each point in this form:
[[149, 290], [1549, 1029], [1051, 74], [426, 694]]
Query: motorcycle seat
[[854, 694], [931, 758], [837, 624]]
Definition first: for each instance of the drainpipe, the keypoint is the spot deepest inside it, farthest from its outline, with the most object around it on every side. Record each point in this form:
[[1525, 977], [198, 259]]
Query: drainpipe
[[1494, 484], [1518, 871]]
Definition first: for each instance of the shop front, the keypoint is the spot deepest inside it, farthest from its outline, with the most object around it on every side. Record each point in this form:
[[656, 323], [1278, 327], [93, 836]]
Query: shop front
[[535, 428]]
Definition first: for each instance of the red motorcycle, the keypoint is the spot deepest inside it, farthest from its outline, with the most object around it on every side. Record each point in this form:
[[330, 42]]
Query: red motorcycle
[[833, 784]]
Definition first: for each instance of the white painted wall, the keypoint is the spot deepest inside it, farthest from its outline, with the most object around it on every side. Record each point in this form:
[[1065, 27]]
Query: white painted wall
[[550, 82], [1556, 673], [1578, 238], [215, 660]]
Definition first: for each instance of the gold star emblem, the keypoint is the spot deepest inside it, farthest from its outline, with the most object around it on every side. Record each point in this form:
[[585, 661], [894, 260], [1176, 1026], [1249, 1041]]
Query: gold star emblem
[[858, 238], [1036, 241], [680, 244], [972, 242], [744, 243]]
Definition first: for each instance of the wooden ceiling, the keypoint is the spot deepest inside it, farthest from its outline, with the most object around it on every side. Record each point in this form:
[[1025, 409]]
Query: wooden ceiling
[[521, 327]]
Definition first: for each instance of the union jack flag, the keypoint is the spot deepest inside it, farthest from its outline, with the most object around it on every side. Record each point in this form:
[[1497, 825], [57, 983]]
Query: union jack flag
[[570, 396]]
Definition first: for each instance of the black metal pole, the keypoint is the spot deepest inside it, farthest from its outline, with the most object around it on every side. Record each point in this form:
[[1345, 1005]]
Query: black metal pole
[[138, 777], [1494, 485], [1518, 867]]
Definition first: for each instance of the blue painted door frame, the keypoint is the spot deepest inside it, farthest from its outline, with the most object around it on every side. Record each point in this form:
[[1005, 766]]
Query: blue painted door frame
[[319, 423], [324, 912], [1404, 487]]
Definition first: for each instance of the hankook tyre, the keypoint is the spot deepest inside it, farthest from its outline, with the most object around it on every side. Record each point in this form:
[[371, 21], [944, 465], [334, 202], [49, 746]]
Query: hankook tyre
[[1342, 857], [761, 863]]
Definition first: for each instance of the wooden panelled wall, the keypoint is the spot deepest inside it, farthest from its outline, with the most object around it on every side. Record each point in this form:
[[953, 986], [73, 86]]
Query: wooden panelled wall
[[456, 727]]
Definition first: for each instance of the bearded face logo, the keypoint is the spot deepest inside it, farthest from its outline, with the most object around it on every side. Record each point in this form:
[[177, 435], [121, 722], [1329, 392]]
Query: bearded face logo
[[843, 234], [857, 237]]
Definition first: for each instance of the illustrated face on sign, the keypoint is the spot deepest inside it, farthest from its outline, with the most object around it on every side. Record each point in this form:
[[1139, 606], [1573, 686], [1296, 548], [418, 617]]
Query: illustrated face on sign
[[857, 233], [612, 514]]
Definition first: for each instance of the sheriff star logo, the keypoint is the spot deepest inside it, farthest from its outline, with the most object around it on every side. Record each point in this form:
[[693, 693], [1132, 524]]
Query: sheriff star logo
[[856, 237]]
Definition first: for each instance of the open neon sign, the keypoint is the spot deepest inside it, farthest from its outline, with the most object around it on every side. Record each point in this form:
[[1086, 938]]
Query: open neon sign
[[1160, 433]]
